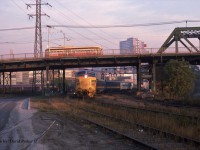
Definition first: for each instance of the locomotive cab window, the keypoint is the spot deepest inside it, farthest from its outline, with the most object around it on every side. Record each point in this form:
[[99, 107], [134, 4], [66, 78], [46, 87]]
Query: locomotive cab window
[[93, 82]]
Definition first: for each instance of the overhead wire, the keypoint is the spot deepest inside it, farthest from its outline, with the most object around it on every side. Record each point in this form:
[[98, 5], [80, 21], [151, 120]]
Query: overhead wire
[[25, 42], [87, 23], [78, 33], [126, 25], [101, 26], [73, 30], [54, 20], [19, 28], [13, 1], [68, 29], [104, 26], [77, 23]]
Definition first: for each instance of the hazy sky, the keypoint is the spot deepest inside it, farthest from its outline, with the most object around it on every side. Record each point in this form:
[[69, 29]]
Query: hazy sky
[[13, 14]]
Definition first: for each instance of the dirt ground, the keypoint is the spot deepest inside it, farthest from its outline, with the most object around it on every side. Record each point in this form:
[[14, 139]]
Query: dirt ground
[[31, 129], [71, 134]]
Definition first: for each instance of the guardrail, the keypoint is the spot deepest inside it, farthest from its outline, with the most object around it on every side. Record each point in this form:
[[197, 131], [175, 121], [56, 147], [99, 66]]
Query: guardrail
[[106, 52]]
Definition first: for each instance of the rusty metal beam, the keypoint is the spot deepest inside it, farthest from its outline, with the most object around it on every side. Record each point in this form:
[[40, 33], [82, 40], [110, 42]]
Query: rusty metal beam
[[191, 44], [185, 45], [177, 34], [166, 43]]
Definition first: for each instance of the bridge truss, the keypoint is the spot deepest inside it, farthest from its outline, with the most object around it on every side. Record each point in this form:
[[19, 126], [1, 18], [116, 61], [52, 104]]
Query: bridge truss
[[180, 34]]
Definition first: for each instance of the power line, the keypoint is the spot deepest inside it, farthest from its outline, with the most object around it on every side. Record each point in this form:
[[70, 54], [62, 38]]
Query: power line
[[86, 29], [20, 28], [126, 25], [76, 32], [79, 33], [18, 6], [25, 42], [87, 23], [102, 26]]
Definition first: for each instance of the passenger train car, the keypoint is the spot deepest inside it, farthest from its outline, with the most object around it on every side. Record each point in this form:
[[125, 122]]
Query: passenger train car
[[114, 86], [73, 51], [85, 84]]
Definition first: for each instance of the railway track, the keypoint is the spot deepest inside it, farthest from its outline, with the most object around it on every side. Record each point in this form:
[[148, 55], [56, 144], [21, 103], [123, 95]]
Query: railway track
[[144, 145], [168, 103], [146, 136], [192, 119]]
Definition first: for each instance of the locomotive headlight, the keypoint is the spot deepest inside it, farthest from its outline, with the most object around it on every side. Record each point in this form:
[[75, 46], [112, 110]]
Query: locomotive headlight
[[85, 76]]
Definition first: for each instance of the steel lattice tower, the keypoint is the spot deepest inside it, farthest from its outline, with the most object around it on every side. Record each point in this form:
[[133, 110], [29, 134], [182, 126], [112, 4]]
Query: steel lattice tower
[[38, 42], [38, 31]]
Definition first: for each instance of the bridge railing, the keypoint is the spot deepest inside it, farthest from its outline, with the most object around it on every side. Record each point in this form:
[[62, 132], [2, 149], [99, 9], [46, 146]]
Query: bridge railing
[[17, 56], [114, 52], [148, 51]]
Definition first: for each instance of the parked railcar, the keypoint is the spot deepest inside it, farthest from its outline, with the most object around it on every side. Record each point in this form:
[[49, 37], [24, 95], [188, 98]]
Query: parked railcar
[[85, 83], [101, 86], [113, 86]]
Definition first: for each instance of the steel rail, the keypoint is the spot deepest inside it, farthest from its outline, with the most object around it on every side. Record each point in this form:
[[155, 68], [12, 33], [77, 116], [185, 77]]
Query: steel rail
[[165, 133], [145, 145], [192, 118], [165, 104]]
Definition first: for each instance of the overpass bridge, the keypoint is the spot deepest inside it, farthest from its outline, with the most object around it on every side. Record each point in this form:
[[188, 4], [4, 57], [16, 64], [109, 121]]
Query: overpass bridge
[[25, 63], [154, 57]]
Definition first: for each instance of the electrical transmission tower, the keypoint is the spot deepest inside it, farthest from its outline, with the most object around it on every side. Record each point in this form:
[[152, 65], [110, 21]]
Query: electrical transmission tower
[[38, 30], [38, 33], [38, 40]]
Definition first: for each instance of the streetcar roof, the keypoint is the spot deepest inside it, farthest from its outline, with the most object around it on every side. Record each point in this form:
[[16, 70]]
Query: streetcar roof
[[73, 47]]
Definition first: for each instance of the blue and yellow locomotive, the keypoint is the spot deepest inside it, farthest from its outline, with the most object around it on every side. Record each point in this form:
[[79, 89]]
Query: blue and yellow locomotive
[[85, 83]]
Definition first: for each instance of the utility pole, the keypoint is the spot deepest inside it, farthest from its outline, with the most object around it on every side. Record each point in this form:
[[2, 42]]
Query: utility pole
[[49, 27], [38, 30], [64, 36], [38, 39]]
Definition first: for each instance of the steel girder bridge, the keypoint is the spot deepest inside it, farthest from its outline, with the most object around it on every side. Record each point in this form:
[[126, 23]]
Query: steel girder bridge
[[52, 65], [182, 35]]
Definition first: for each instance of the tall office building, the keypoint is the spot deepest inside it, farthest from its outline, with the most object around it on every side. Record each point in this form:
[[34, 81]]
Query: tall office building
[[131, 46]]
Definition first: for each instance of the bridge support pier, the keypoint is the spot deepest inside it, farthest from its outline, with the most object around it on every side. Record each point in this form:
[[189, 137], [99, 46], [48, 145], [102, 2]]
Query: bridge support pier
[[63, 81], [38, 79], [3, 82], [6, 82], [59, 84], [53, 81], [47, 79], [139, 76], [42, 82], [34, 82], [10, 76], [154, 76]]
